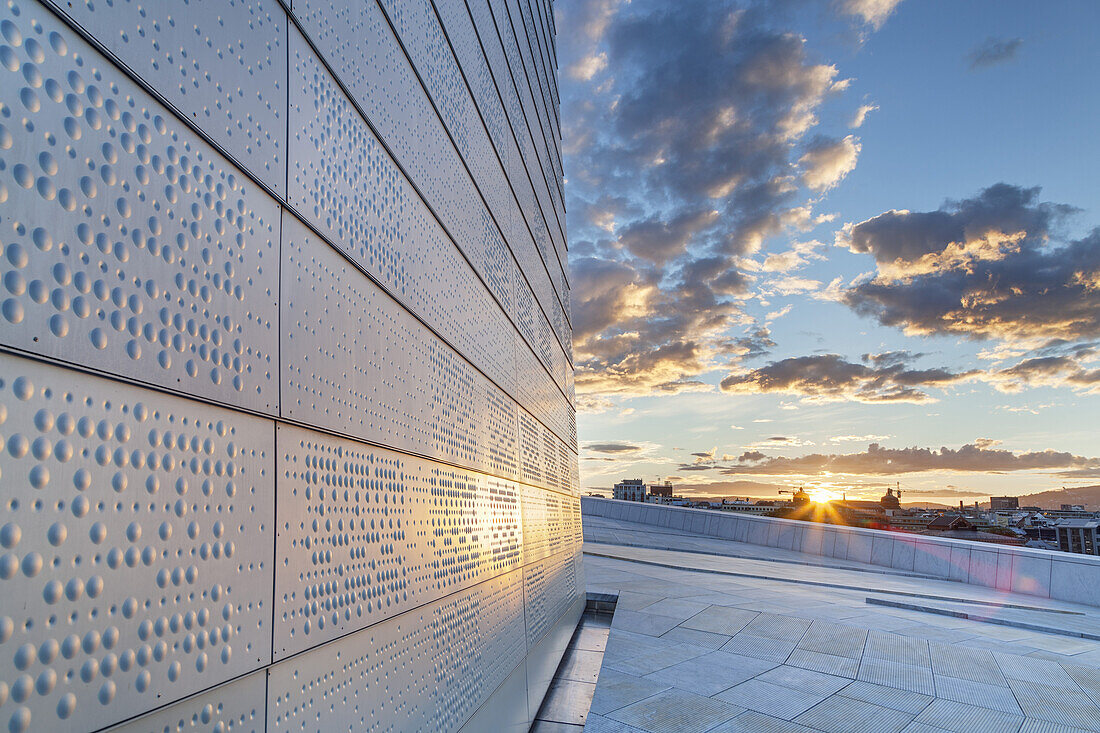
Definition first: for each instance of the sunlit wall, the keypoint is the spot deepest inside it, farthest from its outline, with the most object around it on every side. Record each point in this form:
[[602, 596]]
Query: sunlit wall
[[286, 384]]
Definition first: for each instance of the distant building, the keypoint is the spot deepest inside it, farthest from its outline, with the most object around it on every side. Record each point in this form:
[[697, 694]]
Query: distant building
[[858, 506], [1078, 535], [947, 522], [664, 489], [746, 506], [1004, 502], [630, 489], [891, 502]]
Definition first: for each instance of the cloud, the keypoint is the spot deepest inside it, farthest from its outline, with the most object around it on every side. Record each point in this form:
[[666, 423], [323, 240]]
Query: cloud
[[615, 448], [872, 12], [858, 438], [792, 285], [705, 456], [980, 268], [994, 51], [877, 460], [660, 241], [860, 115], [683, 124], [831, 378], [797, 256], [1048, 371], [593, 404], [827, 162], [584, 69], [751, 456], [750, 346]]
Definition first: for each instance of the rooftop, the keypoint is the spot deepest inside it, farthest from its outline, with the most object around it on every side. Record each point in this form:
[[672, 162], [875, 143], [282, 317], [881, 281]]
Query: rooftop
[[715, 635]]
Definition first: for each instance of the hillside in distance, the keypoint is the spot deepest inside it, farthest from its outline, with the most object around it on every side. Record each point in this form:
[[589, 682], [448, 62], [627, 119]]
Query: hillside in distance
[[1087, 496]]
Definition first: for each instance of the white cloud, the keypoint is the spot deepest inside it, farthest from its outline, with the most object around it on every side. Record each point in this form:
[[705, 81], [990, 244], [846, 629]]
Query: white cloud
[[860, 115], [826, 164], [586, 68], [873, 12]]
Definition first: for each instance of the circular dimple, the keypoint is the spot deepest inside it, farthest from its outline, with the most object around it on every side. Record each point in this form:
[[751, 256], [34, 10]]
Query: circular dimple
[[59, 327], [24, 655], [32, 564], [18, 446], [23, 388], [74, 589], [66, 705], [22, 688], [57, 533], [48, 651], [10, 534], [107, 692], [98, 338], [20, 720], [52, 592], [12, 310], [39, 477], [46, 681]]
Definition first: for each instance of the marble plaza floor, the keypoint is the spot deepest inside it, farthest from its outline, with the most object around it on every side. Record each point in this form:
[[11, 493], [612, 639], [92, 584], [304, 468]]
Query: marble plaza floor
[[733, 637]]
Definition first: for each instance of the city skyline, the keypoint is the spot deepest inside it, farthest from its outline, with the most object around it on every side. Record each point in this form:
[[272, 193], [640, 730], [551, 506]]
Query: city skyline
[[845, 244]]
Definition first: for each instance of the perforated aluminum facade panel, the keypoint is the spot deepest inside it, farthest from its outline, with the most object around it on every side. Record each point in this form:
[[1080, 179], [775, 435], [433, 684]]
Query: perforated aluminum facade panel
[[286, 426]]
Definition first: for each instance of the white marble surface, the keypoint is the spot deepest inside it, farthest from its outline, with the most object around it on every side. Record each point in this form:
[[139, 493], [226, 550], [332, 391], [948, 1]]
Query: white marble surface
[[696, 648], [1041, 573]]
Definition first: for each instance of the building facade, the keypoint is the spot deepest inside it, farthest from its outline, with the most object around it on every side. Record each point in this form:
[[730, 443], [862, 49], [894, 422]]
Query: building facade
[[286, 383], [630, 489], [663, 490], [1078, 535]]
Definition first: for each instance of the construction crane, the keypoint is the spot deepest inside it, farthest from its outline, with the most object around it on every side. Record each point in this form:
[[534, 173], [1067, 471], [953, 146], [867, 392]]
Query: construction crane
[[798, 496]]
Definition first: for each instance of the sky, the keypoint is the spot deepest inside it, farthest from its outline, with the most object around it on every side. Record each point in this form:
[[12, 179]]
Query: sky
[[846, 244]]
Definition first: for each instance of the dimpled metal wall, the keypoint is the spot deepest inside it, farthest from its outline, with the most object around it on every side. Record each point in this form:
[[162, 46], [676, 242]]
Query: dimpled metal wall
[[287, 436]]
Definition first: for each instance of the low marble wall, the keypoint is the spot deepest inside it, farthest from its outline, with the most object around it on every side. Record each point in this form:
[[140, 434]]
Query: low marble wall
[[1058, 575]]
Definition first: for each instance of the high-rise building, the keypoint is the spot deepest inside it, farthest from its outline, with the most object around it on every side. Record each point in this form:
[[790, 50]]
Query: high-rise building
[[1004, 502], [286, 383]]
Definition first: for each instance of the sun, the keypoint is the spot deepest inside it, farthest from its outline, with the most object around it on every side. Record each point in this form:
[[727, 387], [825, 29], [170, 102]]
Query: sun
[[820, 496]]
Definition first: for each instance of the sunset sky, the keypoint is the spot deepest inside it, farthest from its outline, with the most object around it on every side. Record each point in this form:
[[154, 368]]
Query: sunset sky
[[841, 242]]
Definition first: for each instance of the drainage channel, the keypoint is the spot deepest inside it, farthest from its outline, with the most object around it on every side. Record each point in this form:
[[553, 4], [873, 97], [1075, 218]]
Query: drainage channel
[[565, 707]]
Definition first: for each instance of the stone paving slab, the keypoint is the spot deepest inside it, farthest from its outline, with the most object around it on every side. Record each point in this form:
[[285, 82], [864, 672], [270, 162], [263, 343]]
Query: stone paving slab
[[763, 655], [845, 715], [887, 697], [751, 721], [676, 711], [775, 700]]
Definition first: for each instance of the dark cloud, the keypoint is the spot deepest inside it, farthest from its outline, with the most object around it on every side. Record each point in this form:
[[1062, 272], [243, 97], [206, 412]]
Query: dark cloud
[[616, 448], [686, 127], [980, 268], [1049, 371], [751, 456], [994, 51], [659, 241], [756, 344], [829, 377], [876, 460]]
